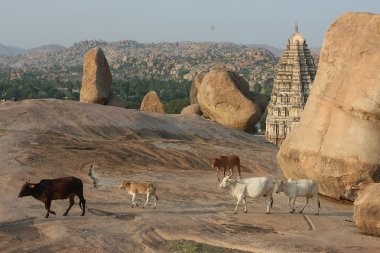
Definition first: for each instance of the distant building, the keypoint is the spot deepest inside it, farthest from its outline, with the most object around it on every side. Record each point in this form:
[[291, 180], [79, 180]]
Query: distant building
[[291, 88]]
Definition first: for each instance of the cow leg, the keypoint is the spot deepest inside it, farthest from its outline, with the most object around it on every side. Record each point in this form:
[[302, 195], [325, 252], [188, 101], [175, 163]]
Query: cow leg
[[217, 173], [133, 200], [318, 203], [270, 202], [82, 203], [307, 202], [70, 205], [47, 207], [147, 199], [292, 201], [245, 205], [238, 202]]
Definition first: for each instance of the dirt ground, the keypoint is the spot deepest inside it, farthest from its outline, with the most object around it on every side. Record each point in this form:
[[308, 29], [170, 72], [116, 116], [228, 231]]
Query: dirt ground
[[51, 138]]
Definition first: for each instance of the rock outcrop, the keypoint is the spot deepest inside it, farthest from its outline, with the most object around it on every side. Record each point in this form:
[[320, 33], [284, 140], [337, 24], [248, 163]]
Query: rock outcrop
[[224, 97], [151, 103], [367, 210], [97, 78], [194, 88], [192, 109], [337, 139]]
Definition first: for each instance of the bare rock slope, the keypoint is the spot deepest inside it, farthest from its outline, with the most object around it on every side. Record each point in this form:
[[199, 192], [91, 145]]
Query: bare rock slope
[[337, 140], [103, 145]]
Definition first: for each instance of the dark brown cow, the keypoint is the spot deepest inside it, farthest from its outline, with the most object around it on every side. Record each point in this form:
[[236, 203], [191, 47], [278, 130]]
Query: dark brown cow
[[226, 162], [60, 188]]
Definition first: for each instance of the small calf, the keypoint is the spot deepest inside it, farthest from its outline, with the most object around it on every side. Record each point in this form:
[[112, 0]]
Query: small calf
[[294, 188], [60, 188], [140, 188], [249, 187]]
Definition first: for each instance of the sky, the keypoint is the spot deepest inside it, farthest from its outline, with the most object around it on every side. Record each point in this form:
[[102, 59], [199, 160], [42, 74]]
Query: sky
[[32, 23]]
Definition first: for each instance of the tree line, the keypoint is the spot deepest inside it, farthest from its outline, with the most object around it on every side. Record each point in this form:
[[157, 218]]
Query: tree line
[[174, 94]]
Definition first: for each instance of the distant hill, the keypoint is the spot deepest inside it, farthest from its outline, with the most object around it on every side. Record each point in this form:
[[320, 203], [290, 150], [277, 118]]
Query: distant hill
[[11, 51], [278, 52], [46, 48], [14, 51], [274, 50]]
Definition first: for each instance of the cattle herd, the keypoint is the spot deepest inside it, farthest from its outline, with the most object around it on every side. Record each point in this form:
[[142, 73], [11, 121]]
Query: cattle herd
[[240, 188]]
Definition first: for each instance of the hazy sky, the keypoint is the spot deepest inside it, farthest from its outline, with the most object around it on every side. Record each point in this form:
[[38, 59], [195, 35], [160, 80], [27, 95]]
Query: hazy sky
[[31, 23]]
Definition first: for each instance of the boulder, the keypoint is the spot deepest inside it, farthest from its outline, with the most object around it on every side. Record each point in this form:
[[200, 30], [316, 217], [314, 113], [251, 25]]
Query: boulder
[[224, 97], [115, 100], [97, 78], [151, 103], [194, 88], [192, 109], [337, 139], [367, 210]]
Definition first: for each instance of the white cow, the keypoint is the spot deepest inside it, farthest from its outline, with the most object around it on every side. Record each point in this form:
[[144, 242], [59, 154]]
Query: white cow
[[294, 188], [249, 187]]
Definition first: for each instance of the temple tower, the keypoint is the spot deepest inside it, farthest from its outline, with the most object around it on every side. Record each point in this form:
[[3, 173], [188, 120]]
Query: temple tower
[[291, 88]]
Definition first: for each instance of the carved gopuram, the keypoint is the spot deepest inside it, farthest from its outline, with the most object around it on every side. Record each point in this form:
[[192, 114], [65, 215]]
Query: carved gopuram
[[291, 88]]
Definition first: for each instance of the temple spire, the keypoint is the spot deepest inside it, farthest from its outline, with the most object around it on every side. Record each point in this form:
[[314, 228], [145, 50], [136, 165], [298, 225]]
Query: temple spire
[[291, 88]]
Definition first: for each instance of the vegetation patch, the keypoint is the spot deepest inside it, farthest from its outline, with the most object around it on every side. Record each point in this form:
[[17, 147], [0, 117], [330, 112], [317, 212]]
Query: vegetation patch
[[188, 246]]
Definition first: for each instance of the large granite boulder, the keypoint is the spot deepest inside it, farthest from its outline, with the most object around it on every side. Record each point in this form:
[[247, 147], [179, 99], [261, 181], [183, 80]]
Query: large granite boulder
[[192, 109], [151, 103], [194, 88], [367, 210], [224, 97], [337, 139], [97, 78]]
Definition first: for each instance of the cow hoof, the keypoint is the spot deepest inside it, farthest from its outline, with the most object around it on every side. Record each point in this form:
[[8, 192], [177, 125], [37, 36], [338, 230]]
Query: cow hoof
[[235, 212], [65, 214], [300, 211], [143, 207], [292, 211], [317, 214], [267, 212], [245, 211]]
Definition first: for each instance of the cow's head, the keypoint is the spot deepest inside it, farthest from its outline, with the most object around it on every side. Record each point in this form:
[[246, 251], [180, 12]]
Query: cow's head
[[124, 184], [27, 189], [213, 163], [226, 181], [279, 185]]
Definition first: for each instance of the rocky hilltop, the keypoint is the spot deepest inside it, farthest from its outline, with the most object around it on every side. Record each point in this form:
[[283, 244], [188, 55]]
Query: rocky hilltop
[[103, 145], [150, 60]]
